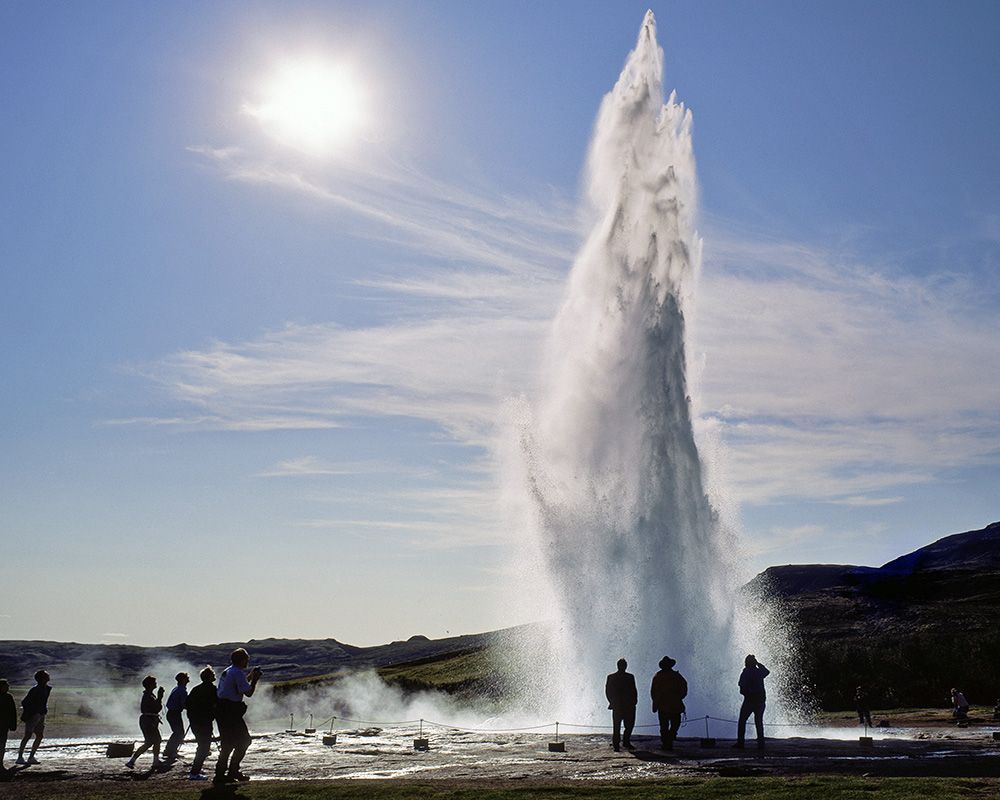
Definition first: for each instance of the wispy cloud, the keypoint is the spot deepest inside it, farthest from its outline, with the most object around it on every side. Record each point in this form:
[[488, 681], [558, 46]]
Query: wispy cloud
[[828, 378]]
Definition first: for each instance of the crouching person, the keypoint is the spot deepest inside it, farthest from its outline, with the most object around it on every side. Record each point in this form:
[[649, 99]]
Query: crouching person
[[234, 738], [201, 703]]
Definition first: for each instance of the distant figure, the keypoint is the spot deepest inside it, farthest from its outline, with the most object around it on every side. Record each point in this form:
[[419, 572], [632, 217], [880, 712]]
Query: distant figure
[[34, 707], [175, 716], [150, 706], [234, 738], [622, 699], [996, 709], [863, 707], [961, 705], [668, 691], [754, 699], [8, 719], [201, 703]]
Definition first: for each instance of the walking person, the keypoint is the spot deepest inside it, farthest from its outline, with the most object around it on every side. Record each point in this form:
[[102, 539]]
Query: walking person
[[668, 691], [201, 703], [863, 706], [8, 720], [754, 700], [34, 707], [150, 706], [234, 738], [622, 700], [175, 716]]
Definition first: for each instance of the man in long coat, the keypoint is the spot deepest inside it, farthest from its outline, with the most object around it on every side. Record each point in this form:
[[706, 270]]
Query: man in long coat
[[668, 692], [622, 699]]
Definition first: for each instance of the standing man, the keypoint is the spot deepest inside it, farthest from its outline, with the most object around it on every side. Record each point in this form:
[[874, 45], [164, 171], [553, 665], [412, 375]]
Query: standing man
[[754, 699], [863, 706], [234, 738], [34, 707], [175, 716], [668, 691], [201, 705], [622, 699]]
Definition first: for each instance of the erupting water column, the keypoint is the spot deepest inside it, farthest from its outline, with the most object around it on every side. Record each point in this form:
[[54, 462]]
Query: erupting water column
[[639, 563]]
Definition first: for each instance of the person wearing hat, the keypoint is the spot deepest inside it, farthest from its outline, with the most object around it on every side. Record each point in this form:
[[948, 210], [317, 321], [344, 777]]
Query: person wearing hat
[[622, 700], [754, 699], [668, 691], [34, 707]]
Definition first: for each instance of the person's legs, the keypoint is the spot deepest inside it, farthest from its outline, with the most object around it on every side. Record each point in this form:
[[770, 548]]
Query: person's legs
[[203, 735], [741, 726], [675, 725], [758, 718], [664, 718], [29, 730], [240, 747], [176, 722], [226, 741], [628, 717], [616, 725], [3, 746], [38, 728]]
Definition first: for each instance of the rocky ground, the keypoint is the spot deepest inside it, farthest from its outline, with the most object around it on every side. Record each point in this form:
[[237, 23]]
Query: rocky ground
[[388, 753]]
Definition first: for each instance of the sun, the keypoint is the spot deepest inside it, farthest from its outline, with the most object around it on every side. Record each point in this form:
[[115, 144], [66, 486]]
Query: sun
[[313, 105]]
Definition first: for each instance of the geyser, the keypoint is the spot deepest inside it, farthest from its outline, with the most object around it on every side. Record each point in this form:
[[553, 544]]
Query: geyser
[[638, 562]]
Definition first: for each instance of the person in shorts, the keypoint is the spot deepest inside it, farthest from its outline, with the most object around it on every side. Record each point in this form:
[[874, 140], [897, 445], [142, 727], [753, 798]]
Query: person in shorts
[[149, 722], [34, 707]]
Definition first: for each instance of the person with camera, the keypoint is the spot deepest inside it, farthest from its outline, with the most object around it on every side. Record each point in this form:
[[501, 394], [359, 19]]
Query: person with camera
[[235, 684]]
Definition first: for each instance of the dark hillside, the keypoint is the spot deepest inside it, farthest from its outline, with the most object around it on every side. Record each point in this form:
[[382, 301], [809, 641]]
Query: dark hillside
[[909, 630]]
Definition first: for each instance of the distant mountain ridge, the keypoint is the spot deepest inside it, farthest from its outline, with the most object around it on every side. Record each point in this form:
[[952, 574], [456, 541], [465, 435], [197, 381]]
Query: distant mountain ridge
[[909, 630], [282, 659]]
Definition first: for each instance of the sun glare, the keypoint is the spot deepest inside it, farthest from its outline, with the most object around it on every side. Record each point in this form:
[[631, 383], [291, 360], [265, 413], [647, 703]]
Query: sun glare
[[313, 105]]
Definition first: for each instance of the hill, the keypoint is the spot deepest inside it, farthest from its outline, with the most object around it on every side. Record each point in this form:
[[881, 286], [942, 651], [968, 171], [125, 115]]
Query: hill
[[909, 630]]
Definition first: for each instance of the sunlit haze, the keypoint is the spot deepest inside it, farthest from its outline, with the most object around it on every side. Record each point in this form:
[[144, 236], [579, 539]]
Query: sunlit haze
[[312, 104], [278, 278]]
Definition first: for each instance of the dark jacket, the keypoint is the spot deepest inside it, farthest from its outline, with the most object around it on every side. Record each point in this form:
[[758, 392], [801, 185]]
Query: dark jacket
[[8, 713], [150, 703], [36, 701], [620, 691], [668, 691], [752, 682], [201, 702]]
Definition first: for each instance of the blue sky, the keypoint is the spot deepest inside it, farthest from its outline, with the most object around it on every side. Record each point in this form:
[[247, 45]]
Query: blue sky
[[254, 391]]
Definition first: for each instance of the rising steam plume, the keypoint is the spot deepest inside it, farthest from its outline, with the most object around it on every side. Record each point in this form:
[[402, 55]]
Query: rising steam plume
[[612, 485]]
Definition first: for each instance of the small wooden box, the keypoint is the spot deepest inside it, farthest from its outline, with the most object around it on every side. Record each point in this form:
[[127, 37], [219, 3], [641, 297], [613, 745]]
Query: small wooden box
[[707, 741], [421, 744], [557, 747], [329, 739], [866, 741], [120, 749]]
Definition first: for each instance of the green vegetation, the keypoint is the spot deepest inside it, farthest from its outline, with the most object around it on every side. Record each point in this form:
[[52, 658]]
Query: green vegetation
[[809, 788], [470, 673]]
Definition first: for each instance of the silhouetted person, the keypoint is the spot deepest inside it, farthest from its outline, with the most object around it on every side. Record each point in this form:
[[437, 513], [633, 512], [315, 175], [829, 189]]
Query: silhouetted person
[[754, 699], [150, 706], [961, 705], [201, 703], [234, 738], [996, 709], [622, 699], [668, 691], [175, 716], [34, 707], [863, 706], [8, 719]]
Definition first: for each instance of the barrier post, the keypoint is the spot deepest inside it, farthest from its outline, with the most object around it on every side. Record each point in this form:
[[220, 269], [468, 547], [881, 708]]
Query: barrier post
[[420, 743], [557, 746]]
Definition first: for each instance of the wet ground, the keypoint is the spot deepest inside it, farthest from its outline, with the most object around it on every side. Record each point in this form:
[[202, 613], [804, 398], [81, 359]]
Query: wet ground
[[389, 753]]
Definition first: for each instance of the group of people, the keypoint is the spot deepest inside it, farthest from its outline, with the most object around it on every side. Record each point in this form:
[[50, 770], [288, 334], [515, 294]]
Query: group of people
[[667, 692], [34, 707], [206, 705]]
